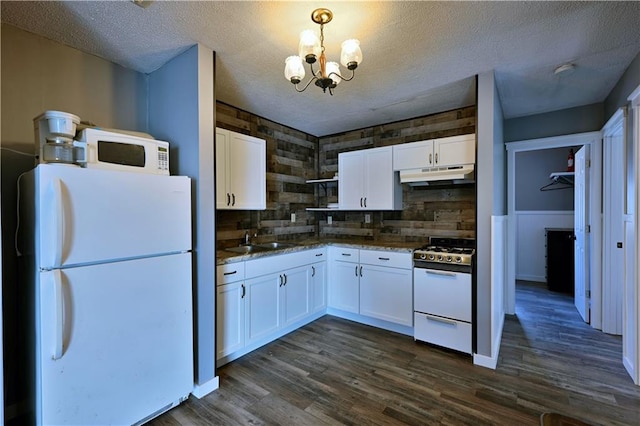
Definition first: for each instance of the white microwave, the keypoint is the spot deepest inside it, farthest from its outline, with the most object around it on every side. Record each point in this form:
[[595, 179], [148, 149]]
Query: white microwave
[[120, 151]]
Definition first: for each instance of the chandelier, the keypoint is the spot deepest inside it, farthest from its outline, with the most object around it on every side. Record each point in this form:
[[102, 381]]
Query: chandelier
[[312, 49]]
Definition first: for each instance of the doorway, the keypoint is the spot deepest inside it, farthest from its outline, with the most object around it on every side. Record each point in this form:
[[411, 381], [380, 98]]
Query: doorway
[[594, 285]]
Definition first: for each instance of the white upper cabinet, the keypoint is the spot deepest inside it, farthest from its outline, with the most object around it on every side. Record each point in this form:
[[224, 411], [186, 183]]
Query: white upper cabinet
[[444, 152], [240, 171], [367, 181]]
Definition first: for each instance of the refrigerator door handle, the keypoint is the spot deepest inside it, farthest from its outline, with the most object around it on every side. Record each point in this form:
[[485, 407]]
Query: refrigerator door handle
[[59, 307], [58, 222]]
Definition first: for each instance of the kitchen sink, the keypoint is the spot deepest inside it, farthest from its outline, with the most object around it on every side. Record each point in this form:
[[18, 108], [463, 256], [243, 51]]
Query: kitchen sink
[[276, 245], [254, 248], [246, 249]]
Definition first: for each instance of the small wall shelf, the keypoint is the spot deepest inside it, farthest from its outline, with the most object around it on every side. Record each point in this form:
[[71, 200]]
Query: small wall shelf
[[323, 183]]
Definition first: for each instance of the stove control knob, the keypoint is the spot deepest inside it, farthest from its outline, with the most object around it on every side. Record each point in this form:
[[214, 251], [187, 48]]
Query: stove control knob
[[423, 256], [448, 258], [458, 259], [440, 257], [431, 257]]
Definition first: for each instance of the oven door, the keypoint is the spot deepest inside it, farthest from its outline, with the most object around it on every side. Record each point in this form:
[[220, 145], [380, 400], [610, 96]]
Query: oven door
[[443, 293]]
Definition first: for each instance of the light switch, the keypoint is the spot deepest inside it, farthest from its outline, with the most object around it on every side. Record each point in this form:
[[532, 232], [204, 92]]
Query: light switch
[[367, 218], [329, 220], [293, 217]]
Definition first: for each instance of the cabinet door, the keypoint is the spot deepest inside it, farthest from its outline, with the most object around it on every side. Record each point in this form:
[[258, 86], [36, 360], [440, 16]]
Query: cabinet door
[[295, 295], [455, 150], [413, 155], [223, 196], [378, 179], [318, 286], [351, 183], [247, 171], [387, 294], [262, 307], [344, 289], [230, 318]]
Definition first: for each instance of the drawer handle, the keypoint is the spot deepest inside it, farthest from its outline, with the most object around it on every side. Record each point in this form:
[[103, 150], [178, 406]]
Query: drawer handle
[[230, 273], [446, 274], [319, 254], [442, 320], [383, 258], [346, 254]]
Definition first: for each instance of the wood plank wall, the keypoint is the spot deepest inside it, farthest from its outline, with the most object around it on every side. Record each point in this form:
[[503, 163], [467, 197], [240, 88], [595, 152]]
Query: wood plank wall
[[427, 211], [293, 157]]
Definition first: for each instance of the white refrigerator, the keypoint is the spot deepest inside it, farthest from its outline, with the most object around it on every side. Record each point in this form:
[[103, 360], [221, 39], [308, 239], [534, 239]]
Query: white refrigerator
[[109, 261]]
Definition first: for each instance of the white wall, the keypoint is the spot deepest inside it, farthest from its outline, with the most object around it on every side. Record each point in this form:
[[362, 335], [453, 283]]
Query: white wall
[[181, 110], [491, 196], [530, 241]]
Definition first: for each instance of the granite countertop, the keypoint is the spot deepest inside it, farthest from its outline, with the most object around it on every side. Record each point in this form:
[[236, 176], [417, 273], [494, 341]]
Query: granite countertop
[[224, 257]]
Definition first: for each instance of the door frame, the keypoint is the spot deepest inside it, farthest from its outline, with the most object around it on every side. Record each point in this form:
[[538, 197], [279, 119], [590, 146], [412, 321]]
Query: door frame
[[612, 297], [631, 340], [594, 139]]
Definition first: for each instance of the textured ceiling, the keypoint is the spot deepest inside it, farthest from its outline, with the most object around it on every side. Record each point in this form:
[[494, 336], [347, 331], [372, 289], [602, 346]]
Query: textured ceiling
[[419, 57]]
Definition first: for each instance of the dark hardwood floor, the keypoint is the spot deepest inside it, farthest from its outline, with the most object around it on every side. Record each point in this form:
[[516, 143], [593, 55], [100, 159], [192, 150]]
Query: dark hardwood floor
[[334, 371]]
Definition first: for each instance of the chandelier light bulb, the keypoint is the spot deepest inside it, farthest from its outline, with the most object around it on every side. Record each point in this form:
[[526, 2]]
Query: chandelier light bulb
[[294, 69], [351, 55], [309, 48], [333, 72]]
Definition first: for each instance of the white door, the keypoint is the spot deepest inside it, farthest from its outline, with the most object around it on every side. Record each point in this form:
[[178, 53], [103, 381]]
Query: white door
[[114, 341], [295, 293], [344, 289], [262, 307], [319, 286], [351, 180], [230, 318], [247, 172], [88, 215], [378, 179], [581, 226], [613, 235], [223, 196], [387, 294]]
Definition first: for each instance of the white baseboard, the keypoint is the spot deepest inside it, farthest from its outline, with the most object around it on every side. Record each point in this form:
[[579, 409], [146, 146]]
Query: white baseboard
[[200, 391], [628, 365], [537, 278], [491, 361]]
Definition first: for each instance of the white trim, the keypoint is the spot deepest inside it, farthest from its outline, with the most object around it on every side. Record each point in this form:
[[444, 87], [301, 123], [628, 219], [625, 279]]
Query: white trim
[[587, 138], [490, 361], [634, 98], [200, 391]]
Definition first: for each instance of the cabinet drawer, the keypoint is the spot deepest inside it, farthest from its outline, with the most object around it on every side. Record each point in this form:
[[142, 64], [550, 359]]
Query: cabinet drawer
[[345, 254], [443, 332], [229, 273], [386, 258], [280, 262]]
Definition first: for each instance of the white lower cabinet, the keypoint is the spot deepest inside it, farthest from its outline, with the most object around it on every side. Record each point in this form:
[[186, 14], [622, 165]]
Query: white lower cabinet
[[387, 294], [373, 283], [260, 300], [295, 295], [262, 307], [344, 286], [319, 286], [230, 318]]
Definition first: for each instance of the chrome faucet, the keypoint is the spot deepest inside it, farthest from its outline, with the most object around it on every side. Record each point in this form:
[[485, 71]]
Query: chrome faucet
[[247, 238]]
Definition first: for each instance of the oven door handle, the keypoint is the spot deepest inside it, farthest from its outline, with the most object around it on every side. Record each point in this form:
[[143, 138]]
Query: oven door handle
[[446, 274]]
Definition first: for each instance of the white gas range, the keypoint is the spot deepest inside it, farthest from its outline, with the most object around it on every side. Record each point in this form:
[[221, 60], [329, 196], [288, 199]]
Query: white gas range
[[443, 293]]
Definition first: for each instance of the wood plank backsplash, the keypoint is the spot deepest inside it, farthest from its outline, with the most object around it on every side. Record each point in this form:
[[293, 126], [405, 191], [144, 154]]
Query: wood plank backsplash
[[293, 157]]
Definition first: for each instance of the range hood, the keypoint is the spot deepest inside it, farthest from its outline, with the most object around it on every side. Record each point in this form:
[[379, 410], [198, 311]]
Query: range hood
[[435, 175]]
